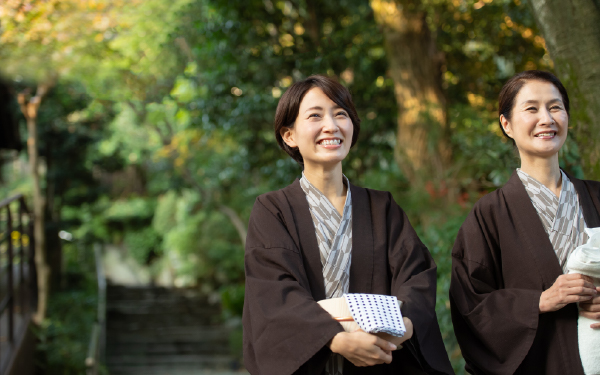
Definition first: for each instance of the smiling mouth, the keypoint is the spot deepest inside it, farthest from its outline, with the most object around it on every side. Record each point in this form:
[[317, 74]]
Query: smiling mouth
[[546, 135], [330, 142]]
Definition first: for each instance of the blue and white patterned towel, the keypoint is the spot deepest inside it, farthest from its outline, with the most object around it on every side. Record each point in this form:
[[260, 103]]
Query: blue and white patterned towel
[[376, 313]]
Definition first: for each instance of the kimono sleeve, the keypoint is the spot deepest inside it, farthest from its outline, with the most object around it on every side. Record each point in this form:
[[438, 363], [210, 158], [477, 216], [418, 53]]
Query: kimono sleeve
[[414, 278], [495, 326], [284, 328]]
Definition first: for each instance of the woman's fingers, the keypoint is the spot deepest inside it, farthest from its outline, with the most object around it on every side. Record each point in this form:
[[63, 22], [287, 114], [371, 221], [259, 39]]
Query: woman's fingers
[[385, 345], [591, 309], [567, 289], [581, 291], [576, 276], [592, 305], [590, 315], [576, 280], [361, 348]]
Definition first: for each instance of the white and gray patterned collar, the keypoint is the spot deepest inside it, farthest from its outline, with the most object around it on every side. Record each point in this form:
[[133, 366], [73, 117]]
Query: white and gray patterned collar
[[545, 200], [322, 199], [334, 237], [561, 216], [549, 206]]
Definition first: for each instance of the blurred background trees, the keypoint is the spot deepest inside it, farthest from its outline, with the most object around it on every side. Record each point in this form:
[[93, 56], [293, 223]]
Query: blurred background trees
[[155, 133]]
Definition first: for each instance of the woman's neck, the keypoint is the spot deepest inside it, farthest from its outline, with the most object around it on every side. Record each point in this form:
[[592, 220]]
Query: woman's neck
[[545, 170], [329, 181]]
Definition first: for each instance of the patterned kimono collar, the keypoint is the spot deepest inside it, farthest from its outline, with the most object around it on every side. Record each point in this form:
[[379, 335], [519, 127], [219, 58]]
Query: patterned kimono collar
[[562, 217], [334, 236], [308, 187]]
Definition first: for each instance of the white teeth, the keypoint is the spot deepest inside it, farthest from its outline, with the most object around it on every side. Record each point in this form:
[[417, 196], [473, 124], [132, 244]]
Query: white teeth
[[545, 134], [328, 142]]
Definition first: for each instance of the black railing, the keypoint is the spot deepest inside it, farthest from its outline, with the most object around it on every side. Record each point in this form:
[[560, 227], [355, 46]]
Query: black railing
[[18, 286]]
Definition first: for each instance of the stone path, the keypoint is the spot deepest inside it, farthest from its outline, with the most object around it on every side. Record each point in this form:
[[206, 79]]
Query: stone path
[[160, 331]]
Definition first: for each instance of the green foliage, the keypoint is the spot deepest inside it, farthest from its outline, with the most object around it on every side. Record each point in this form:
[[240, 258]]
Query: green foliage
[[439, 235], [232, 300], [65, 334], [132, 209], [201, 245], [143, 244]]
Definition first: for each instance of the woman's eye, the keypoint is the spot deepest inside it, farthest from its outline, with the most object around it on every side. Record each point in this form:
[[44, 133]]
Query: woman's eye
[[313, 115], [342, 114], [531, 109], [556, 107]]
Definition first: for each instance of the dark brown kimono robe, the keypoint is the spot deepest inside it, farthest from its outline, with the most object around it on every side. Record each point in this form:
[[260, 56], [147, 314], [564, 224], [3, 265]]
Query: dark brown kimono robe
[[286, 331], [502, 262]]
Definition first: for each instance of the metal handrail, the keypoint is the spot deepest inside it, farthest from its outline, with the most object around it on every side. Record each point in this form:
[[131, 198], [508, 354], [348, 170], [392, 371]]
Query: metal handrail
[[21, 293], [7, 201], [97, 345]]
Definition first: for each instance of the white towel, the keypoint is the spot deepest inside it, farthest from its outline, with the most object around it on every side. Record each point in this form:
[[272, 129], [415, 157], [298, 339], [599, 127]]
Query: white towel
[[586, 261], [376, 313]]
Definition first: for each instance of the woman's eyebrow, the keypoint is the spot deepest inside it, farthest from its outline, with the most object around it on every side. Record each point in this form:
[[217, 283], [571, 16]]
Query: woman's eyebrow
[[316, 107], [532, 101]]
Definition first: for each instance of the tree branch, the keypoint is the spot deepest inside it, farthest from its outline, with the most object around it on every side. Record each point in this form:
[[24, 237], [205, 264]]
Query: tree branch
[[237, 222]]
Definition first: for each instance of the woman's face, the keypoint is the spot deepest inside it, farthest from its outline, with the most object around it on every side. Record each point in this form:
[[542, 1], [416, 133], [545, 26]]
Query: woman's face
[[322, 131], [539, 120]]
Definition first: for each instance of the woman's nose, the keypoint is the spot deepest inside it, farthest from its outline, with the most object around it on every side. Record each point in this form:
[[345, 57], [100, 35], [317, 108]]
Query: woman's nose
[[546, 117], [329, 124]]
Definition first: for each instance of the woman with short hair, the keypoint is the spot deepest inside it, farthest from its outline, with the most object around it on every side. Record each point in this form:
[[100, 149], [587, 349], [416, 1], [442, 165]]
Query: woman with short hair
[[514, 307], [322, 237]]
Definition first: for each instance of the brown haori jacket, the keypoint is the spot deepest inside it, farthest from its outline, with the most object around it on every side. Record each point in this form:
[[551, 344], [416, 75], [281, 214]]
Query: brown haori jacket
[[286, 331], [502, 262]]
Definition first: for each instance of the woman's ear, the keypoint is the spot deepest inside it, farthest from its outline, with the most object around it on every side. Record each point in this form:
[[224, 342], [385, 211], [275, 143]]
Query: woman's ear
[[506, 125], [287, 134]]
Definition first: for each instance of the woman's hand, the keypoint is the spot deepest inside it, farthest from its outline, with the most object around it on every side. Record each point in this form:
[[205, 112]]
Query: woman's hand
[[591, 309], [361, 348], [568, 288]]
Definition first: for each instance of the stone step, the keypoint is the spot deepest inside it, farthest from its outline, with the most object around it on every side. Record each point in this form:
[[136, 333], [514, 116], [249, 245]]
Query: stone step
[[170, 335], [117, 293], [209, 361], [168, 332], [148, 306], [128, 323], [162, 348], [170, 370]]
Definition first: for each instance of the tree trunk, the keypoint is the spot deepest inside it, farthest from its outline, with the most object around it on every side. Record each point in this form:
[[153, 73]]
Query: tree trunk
[[422, 149], [30, 109], [52, 225], [312, 23], [572, 32]]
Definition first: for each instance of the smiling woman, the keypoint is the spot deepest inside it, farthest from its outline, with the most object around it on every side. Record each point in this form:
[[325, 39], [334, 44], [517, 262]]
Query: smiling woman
[[514, 304], [322, 237]]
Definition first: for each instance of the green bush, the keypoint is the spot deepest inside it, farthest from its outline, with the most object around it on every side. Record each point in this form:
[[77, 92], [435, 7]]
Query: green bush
[[142, 244], [64, 336]]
